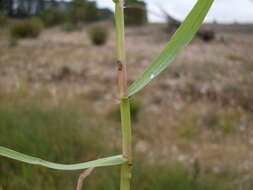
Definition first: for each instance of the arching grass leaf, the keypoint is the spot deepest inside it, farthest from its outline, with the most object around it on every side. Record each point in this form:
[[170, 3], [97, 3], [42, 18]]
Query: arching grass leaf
[[109, 161], [180, 39]]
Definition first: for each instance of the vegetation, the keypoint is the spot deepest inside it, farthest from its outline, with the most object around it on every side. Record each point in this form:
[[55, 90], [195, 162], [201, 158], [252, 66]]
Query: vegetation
[[98, 35], [182, 37], [77, 11], [53, 12], [175, 177], [136, 13], [81, 11], [52, 17], [28, 28], [61, 134], [33, 124], [3, 19], [22, 8]]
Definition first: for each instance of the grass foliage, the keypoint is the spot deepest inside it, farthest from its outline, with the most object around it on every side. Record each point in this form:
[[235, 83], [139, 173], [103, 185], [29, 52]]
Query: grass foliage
[[28, 28], [173, 177], [52, 17], [98, 35], [52, 133], [79, 11], [64, 135], [136, 14], [191, 124], [3, 19], [83, 11]]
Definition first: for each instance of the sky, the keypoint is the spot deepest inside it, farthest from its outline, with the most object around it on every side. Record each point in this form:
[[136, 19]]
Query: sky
[[222, 11]]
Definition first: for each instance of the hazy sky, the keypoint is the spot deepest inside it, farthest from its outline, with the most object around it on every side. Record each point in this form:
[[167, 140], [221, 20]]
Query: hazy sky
[[222, 10]]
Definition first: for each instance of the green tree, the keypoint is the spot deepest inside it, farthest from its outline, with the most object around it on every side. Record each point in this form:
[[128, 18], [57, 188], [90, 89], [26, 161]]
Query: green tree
[[6, 6], [83, 10], [40, 6], [136, 13], [10, 7], [2, 6]]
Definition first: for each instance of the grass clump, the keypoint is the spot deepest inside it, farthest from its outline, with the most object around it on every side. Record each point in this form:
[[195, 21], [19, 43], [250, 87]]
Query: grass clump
[[174, 176], [98, 35], [188, 126], [83, 11], [3, 19], [28, 28], [60, 134], [137, 14], [169, 176], [52, 17], [226, 121], [57, 134], [230, 121]]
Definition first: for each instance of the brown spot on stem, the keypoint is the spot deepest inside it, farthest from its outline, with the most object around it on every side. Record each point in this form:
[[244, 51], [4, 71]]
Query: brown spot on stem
[[120, 65]]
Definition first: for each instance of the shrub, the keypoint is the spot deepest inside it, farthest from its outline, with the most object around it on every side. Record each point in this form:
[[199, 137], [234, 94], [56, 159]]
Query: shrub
[[3, 19], [28, 28], [52, 17], [98, 35], [81, 11], [136, 14], [92, 13]]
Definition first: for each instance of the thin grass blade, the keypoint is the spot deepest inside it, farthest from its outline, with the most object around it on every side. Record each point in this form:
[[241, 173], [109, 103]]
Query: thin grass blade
[[180, 39], [109, 161]]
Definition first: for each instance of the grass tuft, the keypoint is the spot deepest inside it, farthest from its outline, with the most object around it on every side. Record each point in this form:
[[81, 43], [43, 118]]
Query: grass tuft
[[98, 35], [28, 28]]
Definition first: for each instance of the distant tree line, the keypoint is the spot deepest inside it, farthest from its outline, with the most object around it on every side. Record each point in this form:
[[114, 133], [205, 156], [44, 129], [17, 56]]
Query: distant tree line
[[21, 7], [136, 12], [25, 8], [74, 10]]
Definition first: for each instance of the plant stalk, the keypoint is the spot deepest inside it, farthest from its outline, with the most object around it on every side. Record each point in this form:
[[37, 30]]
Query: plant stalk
[[121, 52], [126, 168], [125, 181]]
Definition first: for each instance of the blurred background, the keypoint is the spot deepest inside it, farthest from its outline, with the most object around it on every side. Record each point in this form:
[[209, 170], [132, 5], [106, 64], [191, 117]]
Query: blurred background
[[58, 94]]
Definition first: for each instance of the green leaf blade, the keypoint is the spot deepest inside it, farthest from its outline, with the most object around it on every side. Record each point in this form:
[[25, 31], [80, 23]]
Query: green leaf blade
[[109, 161], [178, 42]]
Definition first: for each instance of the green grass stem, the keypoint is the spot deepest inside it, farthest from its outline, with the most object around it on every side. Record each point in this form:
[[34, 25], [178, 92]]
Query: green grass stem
[[126, 168]]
